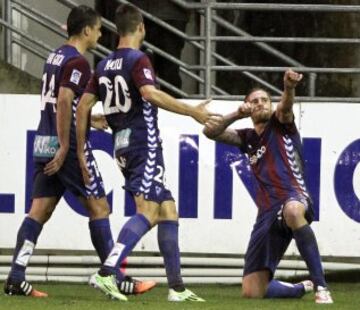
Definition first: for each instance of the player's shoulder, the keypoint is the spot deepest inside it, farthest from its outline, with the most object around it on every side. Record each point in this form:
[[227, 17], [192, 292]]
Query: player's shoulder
[[245, 131], [116, 58], [137, 53], [102, 63], [70, 56], [68, 51], [80, 59], [134, 55], [284, 127], [78, 62]]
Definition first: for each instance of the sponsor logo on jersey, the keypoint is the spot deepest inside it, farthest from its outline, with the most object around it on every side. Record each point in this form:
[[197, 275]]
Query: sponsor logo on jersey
[[45, 146], [259, 153], [75, 76], [122, 139], [148, 74]]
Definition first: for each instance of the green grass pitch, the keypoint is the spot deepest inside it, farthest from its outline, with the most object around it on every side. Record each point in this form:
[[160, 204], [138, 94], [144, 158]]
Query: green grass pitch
[[83, 297]]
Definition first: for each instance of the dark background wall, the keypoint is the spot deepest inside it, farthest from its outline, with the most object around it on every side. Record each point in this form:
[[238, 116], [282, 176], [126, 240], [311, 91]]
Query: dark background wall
[[296, 24]]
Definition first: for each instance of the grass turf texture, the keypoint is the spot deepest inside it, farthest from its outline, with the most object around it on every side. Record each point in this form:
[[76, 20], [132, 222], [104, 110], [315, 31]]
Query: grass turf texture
[[83, 297]]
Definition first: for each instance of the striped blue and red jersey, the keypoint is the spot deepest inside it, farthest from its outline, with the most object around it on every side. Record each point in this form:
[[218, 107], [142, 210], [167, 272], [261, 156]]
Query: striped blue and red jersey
[[64, 67], [277, 163], [116, 82]]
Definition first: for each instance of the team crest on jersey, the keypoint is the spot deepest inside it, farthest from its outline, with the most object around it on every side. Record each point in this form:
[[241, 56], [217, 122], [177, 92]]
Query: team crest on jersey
[[148, 74], [158, 190], [75, 76]]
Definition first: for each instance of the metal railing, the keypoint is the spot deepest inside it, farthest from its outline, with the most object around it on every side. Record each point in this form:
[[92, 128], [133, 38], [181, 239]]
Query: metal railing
[[210, 7], [211, 61]]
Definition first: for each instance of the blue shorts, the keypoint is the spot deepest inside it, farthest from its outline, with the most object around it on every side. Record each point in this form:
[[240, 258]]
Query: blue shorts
[[269, 239], [69, 177], [144, 173]]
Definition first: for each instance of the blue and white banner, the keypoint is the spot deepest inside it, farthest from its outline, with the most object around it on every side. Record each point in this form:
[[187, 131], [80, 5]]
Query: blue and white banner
[[210, 181]]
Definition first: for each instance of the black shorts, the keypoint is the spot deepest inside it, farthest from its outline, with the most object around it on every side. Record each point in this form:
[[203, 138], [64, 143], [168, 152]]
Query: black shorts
[[69, 177]]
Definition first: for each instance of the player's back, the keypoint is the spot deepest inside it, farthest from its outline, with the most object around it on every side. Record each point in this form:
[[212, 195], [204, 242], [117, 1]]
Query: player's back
[[58, 64], [132, 119], [50, 85]]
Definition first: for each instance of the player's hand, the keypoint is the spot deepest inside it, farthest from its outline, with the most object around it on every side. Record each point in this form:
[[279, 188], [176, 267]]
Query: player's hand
[[84, 169], [56, 163], [98, 121], [214, 126], [292, 78], [245, 110], [201, 114]]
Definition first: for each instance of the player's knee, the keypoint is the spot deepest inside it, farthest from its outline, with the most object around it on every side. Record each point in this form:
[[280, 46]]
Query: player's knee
[[150, 212], [100, 213], [41, 214], [169, 215], [98, 208], [254, 285], [251, 292], [293, 214]]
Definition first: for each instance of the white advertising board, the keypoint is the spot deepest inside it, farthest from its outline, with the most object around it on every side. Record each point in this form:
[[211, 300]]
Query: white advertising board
[[217, 211]]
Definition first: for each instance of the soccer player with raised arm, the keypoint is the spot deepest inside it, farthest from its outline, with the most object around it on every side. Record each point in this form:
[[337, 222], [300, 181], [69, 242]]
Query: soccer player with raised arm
[[66, 73], [125, 84], [284, 205]]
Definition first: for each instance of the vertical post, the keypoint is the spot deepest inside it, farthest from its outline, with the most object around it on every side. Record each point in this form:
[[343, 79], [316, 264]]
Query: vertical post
[[7, 32], [312, 84], [207, 63]]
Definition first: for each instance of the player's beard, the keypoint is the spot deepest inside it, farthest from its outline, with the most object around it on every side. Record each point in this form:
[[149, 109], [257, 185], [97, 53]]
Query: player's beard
[[261, 116]]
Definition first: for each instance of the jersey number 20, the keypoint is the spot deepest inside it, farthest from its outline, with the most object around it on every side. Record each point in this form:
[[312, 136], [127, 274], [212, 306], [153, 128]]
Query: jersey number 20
[[122, 100]]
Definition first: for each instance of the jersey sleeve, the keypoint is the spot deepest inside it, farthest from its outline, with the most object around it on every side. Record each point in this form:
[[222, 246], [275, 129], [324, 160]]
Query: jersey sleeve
[[143, 72], [242, 133], [76, 74], [93, 85], [288, 128]]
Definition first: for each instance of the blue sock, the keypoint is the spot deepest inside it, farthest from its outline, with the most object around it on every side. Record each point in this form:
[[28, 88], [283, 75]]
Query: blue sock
[[307, 246], [101, 237], [130, 234], [102, 240], [168, 240], [278, 289], [27, 236]]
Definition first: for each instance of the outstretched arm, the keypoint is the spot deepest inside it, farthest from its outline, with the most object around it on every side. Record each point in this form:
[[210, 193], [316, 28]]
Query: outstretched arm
[[169, 103], [216, 128], [87, 101], [284, 110]]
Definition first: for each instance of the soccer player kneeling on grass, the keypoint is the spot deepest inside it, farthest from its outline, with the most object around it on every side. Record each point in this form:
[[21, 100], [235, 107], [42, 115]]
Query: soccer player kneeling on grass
[[284, 204]]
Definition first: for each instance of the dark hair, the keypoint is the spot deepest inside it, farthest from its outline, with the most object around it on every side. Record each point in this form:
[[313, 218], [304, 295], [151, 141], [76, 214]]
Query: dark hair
[[254, 90], [127, 18], [80, 17]]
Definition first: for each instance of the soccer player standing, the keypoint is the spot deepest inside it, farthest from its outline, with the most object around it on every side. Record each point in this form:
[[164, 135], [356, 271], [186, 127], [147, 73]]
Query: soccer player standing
[[66, 73], [284, 205], [124, 82]]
